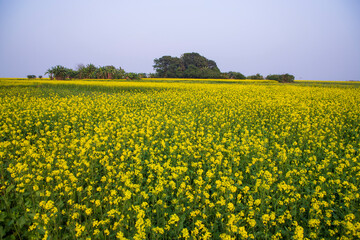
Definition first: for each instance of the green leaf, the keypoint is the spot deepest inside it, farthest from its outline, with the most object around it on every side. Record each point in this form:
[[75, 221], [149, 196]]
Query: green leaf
[[10, 223], [10, 188], [2, 216], [21, 221], [2, 232]]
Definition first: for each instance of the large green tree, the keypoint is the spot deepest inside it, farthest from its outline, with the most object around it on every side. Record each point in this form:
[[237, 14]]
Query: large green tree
[[168, 66], [89, 71], [235, 75], [283, 78], [257, 76], [189, 65], [198, 61], [110, 71], [59, 72]]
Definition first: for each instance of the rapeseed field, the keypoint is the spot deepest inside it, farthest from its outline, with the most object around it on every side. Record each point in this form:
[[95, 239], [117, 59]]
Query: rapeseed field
[[175, 160]]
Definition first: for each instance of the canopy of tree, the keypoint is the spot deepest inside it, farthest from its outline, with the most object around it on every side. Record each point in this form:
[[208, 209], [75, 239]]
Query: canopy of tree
[[283, 78], [189, 65], [257, 76]]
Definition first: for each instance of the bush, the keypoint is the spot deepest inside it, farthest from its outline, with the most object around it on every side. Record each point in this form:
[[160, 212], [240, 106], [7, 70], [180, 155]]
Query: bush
[[283, 78], [256, 77], [40, 76], [235, 75], [31, 76], [132, 76], [142, 75]]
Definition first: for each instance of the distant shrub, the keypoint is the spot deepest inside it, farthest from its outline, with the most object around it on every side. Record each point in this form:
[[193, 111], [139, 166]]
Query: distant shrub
[[283, 78], [235, 75], [31, 76], [142, 75], [132, 76], [255, 77], [40, 76]]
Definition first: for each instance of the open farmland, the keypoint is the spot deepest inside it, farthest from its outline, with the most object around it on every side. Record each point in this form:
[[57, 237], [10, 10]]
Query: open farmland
[[166, 160]]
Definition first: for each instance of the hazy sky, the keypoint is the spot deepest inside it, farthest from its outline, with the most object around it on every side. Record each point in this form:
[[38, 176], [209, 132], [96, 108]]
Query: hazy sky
[[312, 39]]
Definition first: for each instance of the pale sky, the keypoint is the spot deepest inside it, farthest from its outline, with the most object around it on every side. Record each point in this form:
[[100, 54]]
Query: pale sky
[[311, 39]]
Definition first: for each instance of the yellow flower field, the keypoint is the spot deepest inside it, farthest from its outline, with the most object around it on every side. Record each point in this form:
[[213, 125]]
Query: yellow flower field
[[169, 160]]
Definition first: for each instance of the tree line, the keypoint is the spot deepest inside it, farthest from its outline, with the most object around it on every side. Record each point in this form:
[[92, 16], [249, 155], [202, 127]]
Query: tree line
[[193, 65], [90, 71], [189, 65]]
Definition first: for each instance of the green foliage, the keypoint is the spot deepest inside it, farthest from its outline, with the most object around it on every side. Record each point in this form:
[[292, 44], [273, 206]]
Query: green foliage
[[40, 76], [256, 77], [119, 74], [189, 65], [71, 74], [89, 71], [168, 66], [151, 75], [31, 76], [143, 75], [58, 72], [283, 78], [132, 76], [235, 75], [14, 219]]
